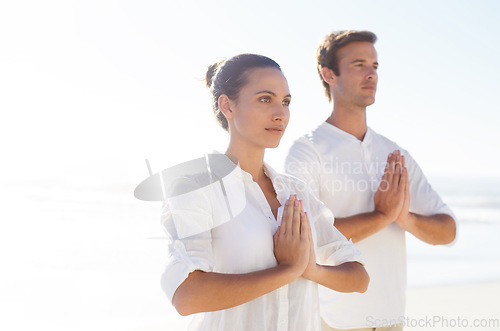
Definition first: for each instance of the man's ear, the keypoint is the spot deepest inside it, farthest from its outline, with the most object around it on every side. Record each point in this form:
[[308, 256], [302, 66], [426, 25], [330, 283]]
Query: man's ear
[[329, 76], [225, 106]]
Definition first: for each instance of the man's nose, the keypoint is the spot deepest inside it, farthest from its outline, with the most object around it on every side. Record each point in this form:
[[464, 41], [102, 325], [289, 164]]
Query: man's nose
[[372, 74]]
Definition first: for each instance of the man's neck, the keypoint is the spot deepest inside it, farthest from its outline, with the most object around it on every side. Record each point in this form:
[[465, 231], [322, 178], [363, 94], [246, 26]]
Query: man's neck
[[352, 121]]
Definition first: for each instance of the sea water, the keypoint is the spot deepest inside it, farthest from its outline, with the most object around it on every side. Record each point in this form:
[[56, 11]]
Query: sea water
[[475, 255]]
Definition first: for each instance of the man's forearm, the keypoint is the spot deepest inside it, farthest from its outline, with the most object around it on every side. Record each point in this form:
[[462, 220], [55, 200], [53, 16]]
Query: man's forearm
[[360, 226], [437, 229]]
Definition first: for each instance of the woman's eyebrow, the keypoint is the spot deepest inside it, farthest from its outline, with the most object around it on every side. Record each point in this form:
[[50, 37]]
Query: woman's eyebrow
[[272, 93], [266, 91]]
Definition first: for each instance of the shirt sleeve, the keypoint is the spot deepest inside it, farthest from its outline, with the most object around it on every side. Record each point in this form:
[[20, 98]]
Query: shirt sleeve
[[303, 162], [187, 220], [332, 247], [424, 200]]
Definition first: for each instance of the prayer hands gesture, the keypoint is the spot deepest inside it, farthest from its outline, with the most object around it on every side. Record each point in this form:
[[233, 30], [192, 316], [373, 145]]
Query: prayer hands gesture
[[392, 198], [293, 244]]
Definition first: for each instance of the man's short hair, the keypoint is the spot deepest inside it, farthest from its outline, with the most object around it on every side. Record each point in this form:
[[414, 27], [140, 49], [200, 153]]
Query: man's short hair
[[326, 54]]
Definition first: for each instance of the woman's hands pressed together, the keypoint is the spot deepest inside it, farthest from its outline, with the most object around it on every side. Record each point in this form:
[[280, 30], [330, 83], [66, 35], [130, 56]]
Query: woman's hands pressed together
[[293, 244]]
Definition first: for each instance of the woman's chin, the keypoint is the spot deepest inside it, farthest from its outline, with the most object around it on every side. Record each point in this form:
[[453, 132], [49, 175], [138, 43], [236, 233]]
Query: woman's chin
[[273, 144]]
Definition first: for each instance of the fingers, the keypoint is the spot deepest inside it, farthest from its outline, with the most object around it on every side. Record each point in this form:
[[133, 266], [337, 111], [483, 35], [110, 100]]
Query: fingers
[[393, 171], [386, 178], [397, 172], [404, 180], [392, 164], [306, 229], [297, 209], [304, 226], [286, 218], [305, 220], [397, 165]]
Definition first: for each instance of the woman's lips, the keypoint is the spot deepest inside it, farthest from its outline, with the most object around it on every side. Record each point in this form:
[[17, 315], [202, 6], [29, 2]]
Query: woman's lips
[[275, 130]]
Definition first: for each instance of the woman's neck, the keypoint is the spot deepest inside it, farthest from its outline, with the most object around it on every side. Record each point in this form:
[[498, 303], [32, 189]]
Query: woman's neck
[[250, 158]]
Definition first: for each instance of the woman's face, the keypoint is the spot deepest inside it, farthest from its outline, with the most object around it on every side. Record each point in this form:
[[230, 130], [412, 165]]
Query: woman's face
[[260, 113]]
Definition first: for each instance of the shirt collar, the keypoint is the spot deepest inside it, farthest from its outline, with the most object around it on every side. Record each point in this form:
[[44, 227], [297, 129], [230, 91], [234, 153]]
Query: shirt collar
[[333, 129], [277, 179]]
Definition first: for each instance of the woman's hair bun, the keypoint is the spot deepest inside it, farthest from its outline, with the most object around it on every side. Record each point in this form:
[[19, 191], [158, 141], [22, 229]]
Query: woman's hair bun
[[211, 70]]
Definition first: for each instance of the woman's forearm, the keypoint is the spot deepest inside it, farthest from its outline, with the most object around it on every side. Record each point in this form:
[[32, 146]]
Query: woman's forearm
[[210, 291], [347, 277]]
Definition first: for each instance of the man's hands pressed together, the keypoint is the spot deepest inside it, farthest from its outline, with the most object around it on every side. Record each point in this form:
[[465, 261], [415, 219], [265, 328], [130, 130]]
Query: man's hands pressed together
[[392, 199]]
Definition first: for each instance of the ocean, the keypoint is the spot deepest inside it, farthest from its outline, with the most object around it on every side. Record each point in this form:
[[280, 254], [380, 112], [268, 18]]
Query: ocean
[[84, 257]]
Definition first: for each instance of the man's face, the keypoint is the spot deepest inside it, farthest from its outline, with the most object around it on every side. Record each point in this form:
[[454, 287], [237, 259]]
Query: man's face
[[357, 83]]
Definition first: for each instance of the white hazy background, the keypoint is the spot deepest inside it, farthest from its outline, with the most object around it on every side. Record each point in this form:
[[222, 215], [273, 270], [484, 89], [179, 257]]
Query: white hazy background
[[89, 89]]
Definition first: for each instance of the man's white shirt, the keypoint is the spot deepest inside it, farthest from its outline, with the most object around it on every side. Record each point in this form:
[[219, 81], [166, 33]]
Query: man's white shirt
[[344, 173]]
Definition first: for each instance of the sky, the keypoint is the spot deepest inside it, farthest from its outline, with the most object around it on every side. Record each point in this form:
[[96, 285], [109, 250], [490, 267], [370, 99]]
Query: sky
[[89, 89]]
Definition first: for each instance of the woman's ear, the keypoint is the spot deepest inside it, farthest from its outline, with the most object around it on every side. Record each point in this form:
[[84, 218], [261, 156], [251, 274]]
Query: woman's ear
[[328, 76], [225, 106]]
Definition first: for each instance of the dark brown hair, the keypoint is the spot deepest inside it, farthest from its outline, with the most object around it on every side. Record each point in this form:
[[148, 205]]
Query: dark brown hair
[[229, 76], [326, 54]]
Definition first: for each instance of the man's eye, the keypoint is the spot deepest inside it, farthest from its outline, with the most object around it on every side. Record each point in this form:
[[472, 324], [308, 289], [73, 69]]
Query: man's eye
[[286, 103]]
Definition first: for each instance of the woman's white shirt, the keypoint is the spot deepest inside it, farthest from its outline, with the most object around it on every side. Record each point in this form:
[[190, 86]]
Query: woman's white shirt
[[226, 225]]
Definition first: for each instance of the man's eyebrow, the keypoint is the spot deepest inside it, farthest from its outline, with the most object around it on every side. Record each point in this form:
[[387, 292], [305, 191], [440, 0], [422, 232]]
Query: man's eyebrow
[[272, 93], [363, 61]]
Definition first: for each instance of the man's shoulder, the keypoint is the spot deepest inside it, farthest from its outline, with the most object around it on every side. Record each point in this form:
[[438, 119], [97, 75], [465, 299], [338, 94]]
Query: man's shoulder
[[314, 137], [380, 139]]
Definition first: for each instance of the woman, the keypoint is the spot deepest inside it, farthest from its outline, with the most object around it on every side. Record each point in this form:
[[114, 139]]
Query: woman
[[259, 268]]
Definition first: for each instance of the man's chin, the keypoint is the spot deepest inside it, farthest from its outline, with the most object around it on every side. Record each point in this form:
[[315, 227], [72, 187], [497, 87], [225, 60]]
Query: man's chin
[[370, 102]]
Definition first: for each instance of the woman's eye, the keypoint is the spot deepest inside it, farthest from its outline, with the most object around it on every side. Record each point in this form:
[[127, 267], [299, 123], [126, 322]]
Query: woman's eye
[[286, 102], [265, 99]]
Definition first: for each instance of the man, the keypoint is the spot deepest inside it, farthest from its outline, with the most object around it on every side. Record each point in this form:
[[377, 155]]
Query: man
[[374, 188]]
